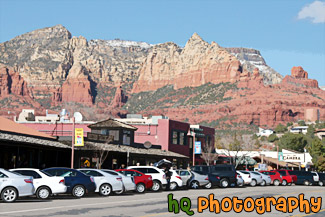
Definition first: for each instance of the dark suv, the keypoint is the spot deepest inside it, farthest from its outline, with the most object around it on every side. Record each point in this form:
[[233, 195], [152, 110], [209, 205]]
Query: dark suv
[[226, 173], [303, 177]]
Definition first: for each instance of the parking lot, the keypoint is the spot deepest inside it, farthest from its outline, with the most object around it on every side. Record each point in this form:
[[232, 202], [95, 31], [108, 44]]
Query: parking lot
[[153, 204]]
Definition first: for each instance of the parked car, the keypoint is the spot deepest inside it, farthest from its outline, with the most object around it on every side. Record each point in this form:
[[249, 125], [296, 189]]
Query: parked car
[[78, 183], [141, 180], [321, 179], [303, 177], [225, 172], [275, 177], [315, 177], [192, 179], [287, 178], [256, 178], [240, 180], [128, 181], [45, 185], [266, 179], [13, 186], [106, 183], [246, 176], [158, 176]]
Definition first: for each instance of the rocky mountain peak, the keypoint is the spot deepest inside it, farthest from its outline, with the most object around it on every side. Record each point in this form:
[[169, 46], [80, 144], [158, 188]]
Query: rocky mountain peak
[[195, 41]]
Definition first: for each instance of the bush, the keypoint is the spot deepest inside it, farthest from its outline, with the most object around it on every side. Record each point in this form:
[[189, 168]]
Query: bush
[[280, 128], [272, 138]]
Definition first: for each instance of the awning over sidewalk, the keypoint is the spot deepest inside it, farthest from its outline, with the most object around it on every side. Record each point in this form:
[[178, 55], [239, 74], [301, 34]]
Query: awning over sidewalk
[[132, 150], [281, 163]]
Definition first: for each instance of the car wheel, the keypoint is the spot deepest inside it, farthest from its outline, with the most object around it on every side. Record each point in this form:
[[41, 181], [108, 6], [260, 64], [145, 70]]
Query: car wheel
[[224, 183], [141, 188], [195, 185], [173, 186], [208, 186], [78, 191], [284, 182], [253, 183], [276, 182], [43, 193], [9, 195], [289, 184], [263, 183], [105, 190], [306, 182], [156, 186], [320, 183]]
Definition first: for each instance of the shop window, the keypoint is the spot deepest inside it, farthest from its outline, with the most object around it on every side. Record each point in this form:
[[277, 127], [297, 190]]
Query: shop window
[[174, 137], [179, 137], [126, 137]]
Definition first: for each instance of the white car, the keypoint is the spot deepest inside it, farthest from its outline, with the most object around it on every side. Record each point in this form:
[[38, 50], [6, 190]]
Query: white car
[[128, 181], [256, 179], [266, 179], [105, 182], [13, 185], [158, 176], [246, 176], [240, 180], [45, 184]]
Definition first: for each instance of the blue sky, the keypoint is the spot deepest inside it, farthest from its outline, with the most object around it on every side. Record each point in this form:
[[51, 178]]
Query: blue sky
[[287, 32]]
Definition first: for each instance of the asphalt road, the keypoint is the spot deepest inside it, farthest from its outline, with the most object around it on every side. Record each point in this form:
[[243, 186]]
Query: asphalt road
[[154, 204]]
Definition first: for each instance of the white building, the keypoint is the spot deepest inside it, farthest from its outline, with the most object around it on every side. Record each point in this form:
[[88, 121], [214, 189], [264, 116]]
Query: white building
[[264, 132], [299, 129]]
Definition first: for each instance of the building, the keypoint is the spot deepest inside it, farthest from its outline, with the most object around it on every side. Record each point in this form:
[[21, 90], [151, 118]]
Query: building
[[312, 114], [112, 142], [264, 132], [320, 133], [299, 129], [171, 135], [25, 147]]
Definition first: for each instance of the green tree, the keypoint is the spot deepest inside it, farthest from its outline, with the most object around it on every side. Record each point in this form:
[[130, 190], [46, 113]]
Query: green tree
[[301, 123], [291, 141], [280, 128], [272, 138], [289, 124], [321, 163]]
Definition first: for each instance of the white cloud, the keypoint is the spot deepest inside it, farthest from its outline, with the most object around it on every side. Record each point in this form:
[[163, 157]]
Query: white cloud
[[314, 11]]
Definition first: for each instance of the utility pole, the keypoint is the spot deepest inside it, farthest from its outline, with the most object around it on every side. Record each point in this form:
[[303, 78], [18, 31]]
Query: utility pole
[[72, 136], [277, 162], [193, 148]]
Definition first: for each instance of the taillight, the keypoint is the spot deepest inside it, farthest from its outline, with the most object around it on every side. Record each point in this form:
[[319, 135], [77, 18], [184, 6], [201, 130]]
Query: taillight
[[92, 179], [207, 178], [249, 176], [217, 177], [164, 176], [239, 177], [119, 179], [236, 175], [179, 177], [28, 180], [62, 181], [150, 178]]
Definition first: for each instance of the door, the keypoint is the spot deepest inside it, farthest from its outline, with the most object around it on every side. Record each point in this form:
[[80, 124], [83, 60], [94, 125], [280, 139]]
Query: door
[[185, 176]]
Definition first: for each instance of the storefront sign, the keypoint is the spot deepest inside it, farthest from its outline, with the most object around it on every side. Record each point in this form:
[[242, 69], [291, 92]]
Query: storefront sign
[[79, 137], [291, 157], [197, 149], [280, 156]]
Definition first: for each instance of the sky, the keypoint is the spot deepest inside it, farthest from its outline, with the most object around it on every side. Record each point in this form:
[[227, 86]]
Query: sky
[[287, 32]]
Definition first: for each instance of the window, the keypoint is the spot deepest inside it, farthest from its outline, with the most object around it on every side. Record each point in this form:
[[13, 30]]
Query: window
[[34, 174], [2, 175], [184, 173], [178, 138], [283, 173], [208, 140], [69, 174], [115, 134], [126, 137], [151, 170], [137, 174], [143, 170], [91, 173], [129, 173], [111, 172], [271, 173]]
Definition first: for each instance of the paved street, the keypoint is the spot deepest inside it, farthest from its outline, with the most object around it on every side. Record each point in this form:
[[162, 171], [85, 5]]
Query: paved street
[[153, 204]]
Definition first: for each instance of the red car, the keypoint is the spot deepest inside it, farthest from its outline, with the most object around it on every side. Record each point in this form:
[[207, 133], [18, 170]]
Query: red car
[[275, 176], [141, 180], [287, 178]]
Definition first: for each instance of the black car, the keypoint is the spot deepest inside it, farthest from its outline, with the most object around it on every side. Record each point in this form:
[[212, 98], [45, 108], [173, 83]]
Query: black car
[[303, 177], [77, 182], [225, 173]]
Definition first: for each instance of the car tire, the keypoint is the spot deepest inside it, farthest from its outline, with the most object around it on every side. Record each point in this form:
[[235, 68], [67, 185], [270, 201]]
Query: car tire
[[253, 183], [224, 183], [173, 186], [9, 195], [289, 184], [43, 193], [284, 182], [208, 186], [78, 191], [263, 183], [194, 185], [306, 182], [140, 188], [156, 186], [276, 182], [105, 190], [320, 183]]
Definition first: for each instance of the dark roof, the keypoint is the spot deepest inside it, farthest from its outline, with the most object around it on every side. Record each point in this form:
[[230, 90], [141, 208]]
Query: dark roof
[[130, 149], [111, 123]]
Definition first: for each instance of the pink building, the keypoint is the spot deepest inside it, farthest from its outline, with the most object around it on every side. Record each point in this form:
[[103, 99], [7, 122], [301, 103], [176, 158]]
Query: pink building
[[171, 135]]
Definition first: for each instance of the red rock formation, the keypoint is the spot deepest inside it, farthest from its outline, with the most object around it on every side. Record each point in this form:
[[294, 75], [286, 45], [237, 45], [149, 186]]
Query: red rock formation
[[299, 78], [197, 64], [119, 98], [298, 72], [77, 87]]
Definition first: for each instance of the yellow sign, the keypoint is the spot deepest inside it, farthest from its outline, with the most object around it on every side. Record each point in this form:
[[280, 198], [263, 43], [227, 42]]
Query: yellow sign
[[79, 137]]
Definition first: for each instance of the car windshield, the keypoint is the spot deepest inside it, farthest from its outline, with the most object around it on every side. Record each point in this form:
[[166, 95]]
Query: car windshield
[[69, 173], [111, 172], [45, 173]]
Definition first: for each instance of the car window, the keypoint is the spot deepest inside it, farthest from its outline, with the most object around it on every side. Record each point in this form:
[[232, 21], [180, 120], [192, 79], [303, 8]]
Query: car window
[[221, 168], [34, 174], [247, 173], [137, 174], [45, 173], [92, 173], [266, 173], [143, 170], [152, 170], [184, 173], [129, 173], [2, 175], [56, 172], [272, 173], [111, 172], [283, 173], [69, 174]]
